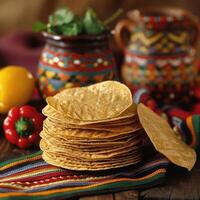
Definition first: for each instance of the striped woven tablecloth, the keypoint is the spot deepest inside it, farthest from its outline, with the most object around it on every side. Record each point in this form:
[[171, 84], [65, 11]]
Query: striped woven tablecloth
[[29, 177]]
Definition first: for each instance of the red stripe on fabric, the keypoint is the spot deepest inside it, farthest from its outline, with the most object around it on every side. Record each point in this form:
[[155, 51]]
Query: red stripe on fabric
[[176, 112], [10, 187], [31, 170], [49, 175], [48, 178], [31, 178]]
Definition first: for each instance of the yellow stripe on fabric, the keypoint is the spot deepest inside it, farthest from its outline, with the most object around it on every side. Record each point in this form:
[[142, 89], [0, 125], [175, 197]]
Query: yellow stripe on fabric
[[20, 162], [189, 123], [43, 193]]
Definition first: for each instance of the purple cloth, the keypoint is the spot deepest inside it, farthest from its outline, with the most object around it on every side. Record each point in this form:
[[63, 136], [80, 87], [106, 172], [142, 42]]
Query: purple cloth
[[21, 48]]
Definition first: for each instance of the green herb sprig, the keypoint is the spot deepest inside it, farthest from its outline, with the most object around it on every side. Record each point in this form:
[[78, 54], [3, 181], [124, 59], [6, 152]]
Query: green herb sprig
[[64, 22]]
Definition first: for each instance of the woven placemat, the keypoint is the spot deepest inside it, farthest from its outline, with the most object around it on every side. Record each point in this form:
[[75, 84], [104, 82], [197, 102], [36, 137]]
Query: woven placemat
[[30, 177]]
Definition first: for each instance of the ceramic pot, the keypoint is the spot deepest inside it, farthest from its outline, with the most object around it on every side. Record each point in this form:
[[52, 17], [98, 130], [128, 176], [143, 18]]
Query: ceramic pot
[[74, 61], [160, 51]]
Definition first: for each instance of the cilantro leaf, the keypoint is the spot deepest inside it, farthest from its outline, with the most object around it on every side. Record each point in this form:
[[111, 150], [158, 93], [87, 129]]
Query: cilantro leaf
[[64, 22], [92, 25], [56, 30], [61, 16], [39, 26], [74, 28]]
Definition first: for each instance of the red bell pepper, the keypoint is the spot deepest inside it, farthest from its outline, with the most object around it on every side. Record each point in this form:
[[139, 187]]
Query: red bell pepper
[[22, 126]]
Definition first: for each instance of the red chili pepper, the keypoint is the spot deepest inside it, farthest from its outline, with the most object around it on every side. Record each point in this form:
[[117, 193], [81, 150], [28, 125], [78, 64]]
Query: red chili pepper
[[22, 126]]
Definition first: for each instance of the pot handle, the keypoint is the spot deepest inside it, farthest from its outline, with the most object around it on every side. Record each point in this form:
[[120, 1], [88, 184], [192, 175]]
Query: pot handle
[[197, 35], [196, 22], [124, 24]]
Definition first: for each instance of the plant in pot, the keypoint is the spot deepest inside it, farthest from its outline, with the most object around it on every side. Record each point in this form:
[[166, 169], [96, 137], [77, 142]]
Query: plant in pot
[[76, 52]]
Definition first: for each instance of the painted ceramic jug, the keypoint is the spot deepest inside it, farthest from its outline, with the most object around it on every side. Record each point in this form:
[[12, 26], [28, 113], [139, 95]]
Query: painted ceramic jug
[[160, 52], [74, 61]]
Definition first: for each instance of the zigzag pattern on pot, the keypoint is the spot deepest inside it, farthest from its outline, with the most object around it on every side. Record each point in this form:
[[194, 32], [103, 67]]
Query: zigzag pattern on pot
[[159, 42], [152, 39], [159, 62]]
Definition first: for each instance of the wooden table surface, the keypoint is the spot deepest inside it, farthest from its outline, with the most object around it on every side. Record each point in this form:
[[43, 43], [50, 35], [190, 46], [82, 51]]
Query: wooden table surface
[[179, 184]]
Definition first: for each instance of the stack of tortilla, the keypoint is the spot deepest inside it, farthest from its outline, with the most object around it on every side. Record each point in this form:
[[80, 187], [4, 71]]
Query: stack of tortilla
[[92, 128]]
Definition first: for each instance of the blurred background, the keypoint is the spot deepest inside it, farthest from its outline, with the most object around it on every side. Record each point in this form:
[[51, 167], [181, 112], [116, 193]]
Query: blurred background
[[20, 47], [21, 14]]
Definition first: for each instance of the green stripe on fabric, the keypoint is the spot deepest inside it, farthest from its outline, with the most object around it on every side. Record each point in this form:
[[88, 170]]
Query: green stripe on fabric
[[196, 124], [2, 164]]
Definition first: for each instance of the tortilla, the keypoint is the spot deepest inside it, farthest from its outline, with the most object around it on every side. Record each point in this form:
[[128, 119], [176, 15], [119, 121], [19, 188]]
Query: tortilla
[[164, 139]]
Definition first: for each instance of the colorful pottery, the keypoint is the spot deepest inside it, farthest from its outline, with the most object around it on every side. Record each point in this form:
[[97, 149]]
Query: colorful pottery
[[160, 53], [74, 61]]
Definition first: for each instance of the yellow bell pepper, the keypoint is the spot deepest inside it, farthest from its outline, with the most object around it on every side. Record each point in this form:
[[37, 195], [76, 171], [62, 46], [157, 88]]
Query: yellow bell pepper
[[16, 87]]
